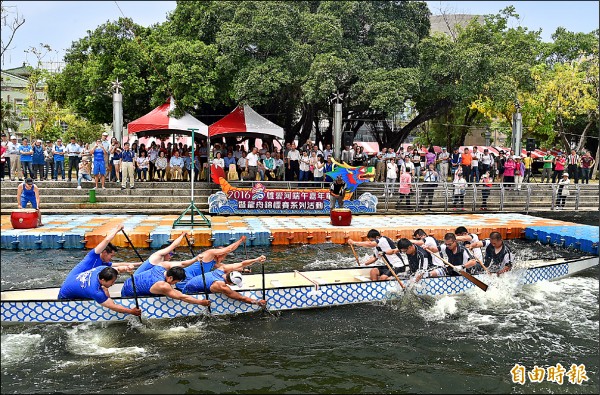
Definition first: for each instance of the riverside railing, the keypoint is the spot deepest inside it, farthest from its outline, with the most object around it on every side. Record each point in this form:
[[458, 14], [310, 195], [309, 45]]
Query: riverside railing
[[444, 197]]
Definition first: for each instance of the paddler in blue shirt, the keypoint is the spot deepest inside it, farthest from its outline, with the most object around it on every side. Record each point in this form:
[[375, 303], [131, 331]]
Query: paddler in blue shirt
[[209, 259], [159, 280], [220, 281], [91, 278], [165, 254]]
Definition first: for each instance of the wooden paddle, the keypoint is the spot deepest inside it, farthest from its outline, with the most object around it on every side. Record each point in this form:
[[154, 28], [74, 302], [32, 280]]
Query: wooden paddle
[[202, 270], [355, 256], [391, 269], [137, 304], [264, 292], [463, 273]]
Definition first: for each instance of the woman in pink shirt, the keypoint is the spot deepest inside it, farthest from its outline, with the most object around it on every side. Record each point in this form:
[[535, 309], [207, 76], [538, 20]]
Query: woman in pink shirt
[[559, 167], [509, 170], [404, 190]]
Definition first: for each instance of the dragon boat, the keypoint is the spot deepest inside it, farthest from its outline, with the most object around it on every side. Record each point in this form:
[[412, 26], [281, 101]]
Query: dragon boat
[[283, 291]]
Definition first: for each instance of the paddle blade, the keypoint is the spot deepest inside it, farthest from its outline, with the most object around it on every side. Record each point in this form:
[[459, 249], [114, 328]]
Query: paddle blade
[[475, 281]]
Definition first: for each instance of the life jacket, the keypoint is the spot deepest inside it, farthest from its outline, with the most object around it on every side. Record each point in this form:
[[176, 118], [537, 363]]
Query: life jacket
[[416, 261], [495, 262]]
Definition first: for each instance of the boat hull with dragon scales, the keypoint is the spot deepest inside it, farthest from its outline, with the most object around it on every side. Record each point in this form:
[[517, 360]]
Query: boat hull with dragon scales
[[283, 291]]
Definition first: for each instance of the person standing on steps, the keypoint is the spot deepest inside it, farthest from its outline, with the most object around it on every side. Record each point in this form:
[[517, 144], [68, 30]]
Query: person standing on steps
[[99, 155], [127, 167]]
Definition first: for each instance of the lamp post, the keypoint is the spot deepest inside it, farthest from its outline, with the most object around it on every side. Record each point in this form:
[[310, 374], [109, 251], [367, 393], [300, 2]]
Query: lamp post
[[487, 136], [517, 128]]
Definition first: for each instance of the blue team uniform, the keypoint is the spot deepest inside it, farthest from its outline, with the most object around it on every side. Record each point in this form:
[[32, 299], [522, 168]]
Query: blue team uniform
[[144, 281], [194, 270], [144, 266], [28, 196], [196, 285], [99, 165], [82, 281]]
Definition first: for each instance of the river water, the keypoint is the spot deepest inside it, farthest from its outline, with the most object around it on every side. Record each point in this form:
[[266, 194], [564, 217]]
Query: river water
[[461, 344]]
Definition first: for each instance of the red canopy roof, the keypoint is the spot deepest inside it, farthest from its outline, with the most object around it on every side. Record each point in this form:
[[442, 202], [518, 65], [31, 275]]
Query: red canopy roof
[[243, 120], [158, 120]]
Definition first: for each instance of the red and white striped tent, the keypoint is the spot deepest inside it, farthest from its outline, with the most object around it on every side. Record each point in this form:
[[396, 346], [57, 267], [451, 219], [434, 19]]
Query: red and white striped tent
[[159, 122], [244, 121]]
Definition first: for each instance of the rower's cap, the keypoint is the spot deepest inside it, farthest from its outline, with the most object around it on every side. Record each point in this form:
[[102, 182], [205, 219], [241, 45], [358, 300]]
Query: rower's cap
[[565, 174], [236, 278], [29, 181]]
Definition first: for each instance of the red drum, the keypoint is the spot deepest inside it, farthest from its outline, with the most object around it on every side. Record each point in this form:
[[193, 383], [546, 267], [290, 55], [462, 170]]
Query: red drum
[[25, 218], [341, 216]]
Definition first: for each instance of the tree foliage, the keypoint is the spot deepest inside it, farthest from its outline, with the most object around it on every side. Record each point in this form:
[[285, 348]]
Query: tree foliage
[[286, 59]]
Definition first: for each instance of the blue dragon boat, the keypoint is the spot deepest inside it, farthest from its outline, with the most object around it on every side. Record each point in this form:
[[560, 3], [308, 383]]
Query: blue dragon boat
[[283, 291]]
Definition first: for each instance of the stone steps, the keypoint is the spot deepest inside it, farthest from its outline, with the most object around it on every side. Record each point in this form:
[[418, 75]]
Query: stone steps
[[174, 197]]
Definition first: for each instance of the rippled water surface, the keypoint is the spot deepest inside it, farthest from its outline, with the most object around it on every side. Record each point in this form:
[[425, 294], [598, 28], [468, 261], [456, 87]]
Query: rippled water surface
[[466, 343]]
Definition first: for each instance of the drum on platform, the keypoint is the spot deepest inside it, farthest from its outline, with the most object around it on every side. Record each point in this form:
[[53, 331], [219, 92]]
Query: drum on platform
[[341, 217], [25, 218]]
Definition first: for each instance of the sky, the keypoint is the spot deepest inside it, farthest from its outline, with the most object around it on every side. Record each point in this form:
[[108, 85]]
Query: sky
[[59, 23]]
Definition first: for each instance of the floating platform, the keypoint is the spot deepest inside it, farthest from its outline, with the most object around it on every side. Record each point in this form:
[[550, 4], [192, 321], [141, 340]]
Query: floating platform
[[152, 231], [579, 237]]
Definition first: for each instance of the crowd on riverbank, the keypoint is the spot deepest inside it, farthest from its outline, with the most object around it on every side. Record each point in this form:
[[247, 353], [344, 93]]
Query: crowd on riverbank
[[162, 161]]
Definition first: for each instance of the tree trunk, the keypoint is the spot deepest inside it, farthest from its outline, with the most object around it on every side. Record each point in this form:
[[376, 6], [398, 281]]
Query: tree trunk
[[595, 169], [581, 143], [306, 124], [431, 112]]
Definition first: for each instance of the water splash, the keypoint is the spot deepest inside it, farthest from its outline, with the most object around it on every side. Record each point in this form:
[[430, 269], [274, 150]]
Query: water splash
[[19, 347], [91, 340]]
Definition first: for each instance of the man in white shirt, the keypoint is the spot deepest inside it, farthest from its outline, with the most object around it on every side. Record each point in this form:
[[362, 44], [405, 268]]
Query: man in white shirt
[[486, 161], [328, 152], [293, 156], [348, 155], [242, 165], [73, 152], [176, 164], [252, 159], [382, 245], [12, 152], [444, 158]]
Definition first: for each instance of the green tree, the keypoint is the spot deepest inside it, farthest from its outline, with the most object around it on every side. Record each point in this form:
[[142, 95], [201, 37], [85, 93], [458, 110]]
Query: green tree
[[10, 119]]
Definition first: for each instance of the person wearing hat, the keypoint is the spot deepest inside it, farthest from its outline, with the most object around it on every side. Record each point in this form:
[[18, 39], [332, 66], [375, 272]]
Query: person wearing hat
[[49, 159], [28, 193], [563, 191], [84, 172], [337, 189], [14, 156], [222, 279]]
